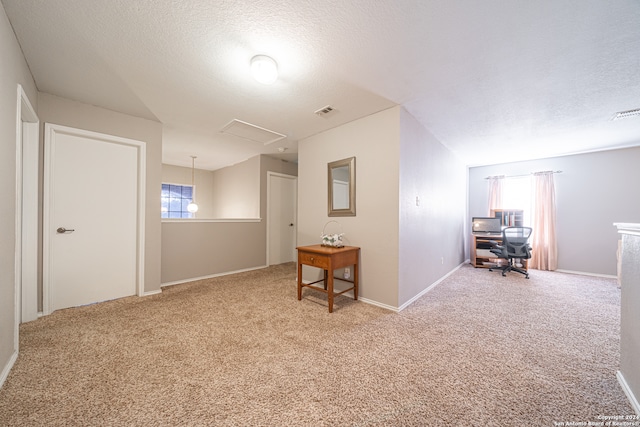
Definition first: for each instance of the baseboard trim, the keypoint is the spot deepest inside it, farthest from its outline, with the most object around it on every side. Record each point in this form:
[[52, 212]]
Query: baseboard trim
[[584, 273], [379, 304], [211, 276], [7, 368], [628, 392], [408, 303], [149, 293], [429, 288]]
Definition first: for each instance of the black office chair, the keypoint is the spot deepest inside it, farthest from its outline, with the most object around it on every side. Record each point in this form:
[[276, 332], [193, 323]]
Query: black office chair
[[515, 245]]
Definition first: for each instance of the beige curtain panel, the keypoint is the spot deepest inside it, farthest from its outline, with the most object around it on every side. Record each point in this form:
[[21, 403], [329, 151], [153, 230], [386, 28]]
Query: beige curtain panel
[[495, 192], [544, 255]]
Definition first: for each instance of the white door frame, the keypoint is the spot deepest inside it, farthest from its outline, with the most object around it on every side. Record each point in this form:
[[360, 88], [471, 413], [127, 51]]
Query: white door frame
[[26, 238], [295, 213], [49, 135], [25, 223]]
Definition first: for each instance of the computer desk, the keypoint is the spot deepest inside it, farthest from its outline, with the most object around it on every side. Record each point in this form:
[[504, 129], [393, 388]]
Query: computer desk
[[486, 259]]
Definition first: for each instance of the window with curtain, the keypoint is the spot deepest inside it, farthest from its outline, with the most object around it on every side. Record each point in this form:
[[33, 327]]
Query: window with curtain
[[511, 193], [535, 196]]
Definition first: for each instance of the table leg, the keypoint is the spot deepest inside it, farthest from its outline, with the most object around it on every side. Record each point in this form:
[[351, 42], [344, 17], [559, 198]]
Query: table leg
[[299, 281], [330, 292], [326, 273], [355, 281]]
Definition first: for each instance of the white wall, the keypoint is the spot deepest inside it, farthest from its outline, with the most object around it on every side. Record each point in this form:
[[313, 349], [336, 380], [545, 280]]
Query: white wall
[[375, 143], [13, 71], [431, 230], [271, 164], [630, 313], [593, 191]]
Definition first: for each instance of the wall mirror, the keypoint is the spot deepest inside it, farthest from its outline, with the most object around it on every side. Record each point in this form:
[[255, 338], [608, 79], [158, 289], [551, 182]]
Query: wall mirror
[[342, 187]]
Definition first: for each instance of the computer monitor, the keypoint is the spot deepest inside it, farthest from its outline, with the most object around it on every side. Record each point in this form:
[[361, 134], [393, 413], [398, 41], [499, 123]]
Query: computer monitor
[[487, 225]]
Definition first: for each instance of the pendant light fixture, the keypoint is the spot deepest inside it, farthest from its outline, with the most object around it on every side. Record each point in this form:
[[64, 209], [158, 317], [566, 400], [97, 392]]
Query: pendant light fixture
[[192, 207]]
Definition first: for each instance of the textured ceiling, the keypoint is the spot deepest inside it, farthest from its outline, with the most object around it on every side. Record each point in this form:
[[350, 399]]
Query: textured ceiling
[[494, 81]]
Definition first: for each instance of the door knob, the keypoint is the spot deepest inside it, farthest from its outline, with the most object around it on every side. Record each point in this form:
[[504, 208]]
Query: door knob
[[62, 230], [291, 225]]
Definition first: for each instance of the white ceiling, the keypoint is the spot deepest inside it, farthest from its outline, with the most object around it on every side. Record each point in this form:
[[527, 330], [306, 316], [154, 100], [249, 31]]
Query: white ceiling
[[494, 80]]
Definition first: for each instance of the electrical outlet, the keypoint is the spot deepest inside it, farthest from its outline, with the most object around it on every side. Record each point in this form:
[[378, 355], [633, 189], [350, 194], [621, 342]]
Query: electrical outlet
[[442, 260], [347, 273]]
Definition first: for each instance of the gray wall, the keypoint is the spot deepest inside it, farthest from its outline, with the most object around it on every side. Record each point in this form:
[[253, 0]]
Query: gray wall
[[53, 109], [236, 190], [432, 230], [195, 249], [232, 192], [13, 71], [192, 249], [593, 191]]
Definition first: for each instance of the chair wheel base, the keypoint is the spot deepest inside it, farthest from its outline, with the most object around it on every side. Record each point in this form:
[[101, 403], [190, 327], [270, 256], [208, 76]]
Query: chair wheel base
[[510, 268]]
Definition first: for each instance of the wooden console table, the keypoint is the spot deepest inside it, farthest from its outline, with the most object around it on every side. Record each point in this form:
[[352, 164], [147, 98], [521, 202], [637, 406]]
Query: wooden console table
[[328, 259]]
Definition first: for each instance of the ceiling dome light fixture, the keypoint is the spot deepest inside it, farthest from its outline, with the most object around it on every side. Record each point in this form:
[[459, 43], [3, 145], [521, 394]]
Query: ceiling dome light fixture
[[264, 69]]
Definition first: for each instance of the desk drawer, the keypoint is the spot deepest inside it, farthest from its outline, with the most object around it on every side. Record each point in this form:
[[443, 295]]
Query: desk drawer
[[315, 260]]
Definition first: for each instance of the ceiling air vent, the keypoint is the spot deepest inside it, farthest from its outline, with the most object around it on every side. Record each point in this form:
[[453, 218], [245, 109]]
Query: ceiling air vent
[[626, 114], [324, 111], [251, 132]]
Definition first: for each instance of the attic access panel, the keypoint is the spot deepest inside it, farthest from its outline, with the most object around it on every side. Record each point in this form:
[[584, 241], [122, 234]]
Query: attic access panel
[[251, 132]]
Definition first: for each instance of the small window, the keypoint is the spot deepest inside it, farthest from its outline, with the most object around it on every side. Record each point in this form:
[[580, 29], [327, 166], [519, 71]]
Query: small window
[[175, 199]]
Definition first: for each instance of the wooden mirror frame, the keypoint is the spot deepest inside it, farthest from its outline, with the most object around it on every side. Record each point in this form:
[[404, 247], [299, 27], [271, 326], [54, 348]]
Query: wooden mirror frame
[[351, 209]]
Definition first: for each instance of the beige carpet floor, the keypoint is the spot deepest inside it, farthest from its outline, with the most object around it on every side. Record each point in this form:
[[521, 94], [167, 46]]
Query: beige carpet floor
[[478, 350]]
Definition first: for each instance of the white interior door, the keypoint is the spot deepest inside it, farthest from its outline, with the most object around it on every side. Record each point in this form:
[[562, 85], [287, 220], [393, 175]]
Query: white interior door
[[281, 236], [91, 218]]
